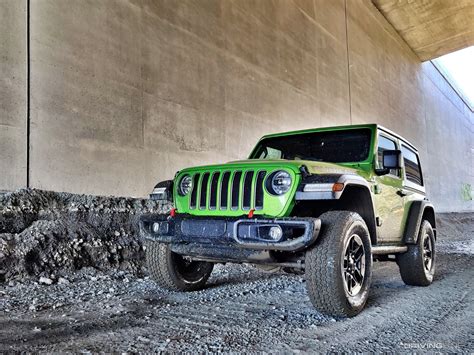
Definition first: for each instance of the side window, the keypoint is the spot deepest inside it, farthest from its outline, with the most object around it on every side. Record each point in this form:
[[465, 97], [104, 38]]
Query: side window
[[385, 144], [412, 166]]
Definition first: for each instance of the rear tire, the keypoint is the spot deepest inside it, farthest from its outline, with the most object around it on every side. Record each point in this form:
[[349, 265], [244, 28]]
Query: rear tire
[[339, 266], [417, 264], [173, 272]]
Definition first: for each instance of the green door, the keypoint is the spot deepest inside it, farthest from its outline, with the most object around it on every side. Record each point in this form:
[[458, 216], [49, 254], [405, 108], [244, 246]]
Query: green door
[[389, 201]]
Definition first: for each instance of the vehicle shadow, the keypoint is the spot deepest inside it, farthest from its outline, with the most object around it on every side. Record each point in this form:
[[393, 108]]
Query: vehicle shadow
[[236, 278]]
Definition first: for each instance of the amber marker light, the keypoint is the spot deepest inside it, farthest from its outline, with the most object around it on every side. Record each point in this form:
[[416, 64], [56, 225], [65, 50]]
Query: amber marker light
[[338, 187]]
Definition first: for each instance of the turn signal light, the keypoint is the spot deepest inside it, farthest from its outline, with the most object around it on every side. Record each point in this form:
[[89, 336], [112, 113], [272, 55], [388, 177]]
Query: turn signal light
[[338, 187]]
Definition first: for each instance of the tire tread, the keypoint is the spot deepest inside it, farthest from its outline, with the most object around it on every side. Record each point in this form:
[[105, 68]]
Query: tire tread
[[410, 263], [321, 278], [161, 269]]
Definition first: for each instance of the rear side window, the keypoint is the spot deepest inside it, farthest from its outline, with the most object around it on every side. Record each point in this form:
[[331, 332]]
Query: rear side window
[[385, 144], [412, 166]]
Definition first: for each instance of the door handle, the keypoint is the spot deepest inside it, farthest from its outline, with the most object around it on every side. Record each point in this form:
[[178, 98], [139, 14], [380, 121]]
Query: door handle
[[402, 193]]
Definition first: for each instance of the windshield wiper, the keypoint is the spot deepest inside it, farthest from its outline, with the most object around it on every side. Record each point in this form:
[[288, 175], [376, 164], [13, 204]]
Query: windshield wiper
[[302, 157]]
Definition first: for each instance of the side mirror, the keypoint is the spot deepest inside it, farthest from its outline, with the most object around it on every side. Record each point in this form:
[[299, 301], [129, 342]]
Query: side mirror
[[391, 159]]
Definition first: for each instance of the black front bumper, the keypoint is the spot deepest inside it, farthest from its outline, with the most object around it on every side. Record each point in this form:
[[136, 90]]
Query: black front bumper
[[201, 235]]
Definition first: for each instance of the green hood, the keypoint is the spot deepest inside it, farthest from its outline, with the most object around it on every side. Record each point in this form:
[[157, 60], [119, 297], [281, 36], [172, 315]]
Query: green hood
[[314, 167]]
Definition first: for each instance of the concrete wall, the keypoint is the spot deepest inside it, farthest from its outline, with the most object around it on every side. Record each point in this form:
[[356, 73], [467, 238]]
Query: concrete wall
[[390, 86], [126, 92], [12, 94]]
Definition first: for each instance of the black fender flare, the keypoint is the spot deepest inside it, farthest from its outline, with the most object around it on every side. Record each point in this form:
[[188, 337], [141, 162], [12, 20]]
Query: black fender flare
[[417, 210], [349, 181], [163, 191], [368, 213]]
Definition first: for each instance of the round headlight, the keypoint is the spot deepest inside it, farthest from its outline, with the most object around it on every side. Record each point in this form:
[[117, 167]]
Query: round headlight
[[186, 185], [279, 182]]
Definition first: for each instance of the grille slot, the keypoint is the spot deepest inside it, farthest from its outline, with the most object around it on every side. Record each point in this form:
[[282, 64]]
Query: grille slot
[[247, 190], [236, 190], [214, 189], [224, 190], [203, 194], [259, 190], [192, 204]]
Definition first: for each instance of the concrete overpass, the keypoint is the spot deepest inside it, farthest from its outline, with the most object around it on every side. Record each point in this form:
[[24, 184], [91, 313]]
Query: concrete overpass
[[108, 97], [431, 28]]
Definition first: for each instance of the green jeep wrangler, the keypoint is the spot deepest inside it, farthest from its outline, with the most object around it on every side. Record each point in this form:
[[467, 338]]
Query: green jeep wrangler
[[325, 202]]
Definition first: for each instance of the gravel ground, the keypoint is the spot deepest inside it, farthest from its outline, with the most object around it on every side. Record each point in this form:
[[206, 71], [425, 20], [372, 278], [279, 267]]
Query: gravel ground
[[241, 310], [116, 309]]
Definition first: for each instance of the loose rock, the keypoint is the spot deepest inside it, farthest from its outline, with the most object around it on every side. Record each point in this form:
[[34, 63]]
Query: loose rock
[[45, 281], [43, 232]]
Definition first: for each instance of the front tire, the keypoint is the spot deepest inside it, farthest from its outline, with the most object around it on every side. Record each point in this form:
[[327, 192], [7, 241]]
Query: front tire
[[417, 264], [173, 272], [339, 266]]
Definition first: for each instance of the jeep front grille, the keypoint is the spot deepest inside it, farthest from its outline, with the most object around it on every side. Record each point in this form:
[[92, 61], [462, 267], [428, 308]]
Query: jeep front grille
[[235, 190]]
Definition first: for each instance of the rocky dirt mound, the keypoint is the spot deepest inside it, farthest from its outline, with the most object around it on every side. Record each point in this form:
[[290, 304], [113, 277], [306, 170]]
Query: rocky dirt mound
[[455, 233], [50, 234], [456, 225]]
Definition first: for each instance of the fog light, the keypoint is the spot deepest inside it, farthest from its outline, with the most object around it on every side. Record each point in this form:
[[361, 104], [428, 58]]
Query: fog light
[[275, 232], [156, 227]]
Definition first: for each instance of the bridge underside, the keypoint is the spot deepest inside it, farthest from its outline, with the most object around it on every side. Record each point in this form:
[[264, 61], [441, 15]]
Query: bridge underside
[[431, 28]]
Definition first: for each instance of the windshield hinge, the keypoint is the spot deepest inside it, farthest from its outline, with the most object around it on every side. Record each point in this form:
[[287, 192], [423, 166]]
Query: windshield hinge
[[304, 171]]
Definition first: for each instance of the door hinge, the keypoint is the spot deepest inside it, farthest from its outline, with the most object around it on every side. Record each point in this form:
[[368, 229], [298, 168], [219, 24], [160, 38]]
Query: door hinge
[[378, 220], [377, 189]]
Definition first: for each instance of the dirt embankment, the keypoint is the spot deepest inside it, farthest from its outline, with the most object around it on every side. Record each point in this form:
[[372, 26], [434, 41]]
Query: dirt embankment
[[48, 234], [456, 233]]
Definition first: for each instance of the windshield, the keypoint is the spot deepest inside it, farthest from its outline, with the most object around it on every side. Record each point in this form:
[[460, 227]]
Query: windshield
[[347, 146]]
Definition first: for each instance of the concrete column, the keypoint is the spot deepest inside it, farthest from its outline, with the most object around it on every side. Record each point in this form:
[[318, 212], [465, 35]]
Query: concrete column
[[13, 100]]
